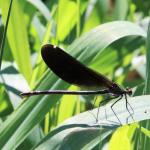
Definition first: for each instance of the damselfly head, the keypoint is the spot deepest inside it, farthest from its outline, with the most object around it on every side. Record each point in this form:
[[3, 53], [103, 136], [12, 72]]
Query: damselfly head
[[116, 89], [129, 91]]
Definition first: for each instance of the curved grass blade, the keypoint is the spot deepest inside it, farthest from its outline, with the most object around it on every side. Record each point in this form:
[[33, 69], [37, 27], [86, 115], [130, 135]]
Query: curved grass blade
[[19, 46], [82, 127], [4, 34]]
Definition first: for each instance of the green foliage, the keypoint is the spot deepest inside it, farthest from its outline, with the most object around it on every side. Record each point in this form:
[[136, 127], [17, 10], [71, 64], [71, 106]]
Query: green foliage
[[101, 34]]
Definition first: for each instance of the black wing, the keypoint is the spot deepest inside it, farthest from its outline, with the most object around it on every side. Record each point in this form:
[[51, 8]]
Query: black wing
[[70, 70]]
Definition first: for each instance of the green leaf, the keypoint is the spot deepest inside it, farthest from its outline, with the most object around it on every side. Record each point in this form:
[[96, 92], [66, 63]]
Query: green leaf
[[41, 7], [4, 34], [66, 24], [147, 82], [83, 128], [11, 79], [18, 32], [121, 12]]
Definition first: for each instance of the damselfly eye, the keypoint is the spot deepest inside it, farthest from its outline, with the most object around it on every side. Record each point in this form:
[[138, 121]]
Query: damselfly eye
[[129, 91]]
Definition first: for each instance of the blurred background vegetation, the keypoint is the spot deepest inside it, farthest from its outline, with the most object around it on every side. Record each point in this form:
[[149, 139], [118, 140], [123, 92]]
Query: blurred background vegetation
[[106, 35]]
